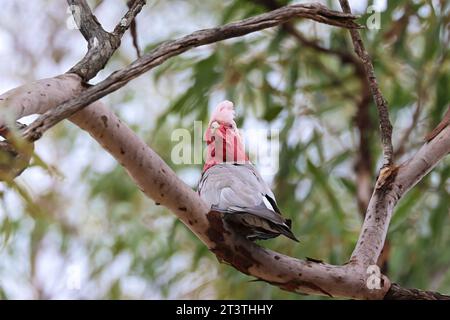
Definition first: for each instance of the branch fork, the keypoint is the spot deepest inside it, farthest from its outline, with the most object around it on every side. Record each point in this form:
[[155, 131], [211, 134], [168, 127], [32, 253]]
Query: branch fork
[[101, 44]]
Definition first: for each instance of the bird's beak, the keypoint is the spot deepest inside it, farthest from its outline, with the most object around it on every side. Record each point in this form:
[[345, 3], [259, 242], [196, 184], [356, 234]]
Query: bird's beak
[[214, 126]]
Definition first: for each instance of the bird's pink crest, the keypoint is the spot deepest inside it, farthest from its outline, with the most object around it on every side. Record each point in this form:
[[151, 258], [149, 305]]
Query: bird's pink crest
[[224, 142], [224, 113]]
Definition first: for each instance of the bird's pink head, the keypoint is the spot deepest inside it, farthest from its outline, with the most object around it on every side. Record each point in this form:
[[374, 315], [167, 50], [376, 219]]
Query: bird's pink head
[[224, 113], [224, 142]]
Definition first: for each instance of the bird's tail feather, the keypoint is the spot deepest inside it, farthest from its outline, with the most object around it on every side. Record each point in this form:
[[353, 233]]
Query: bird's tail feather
[[275, 223]]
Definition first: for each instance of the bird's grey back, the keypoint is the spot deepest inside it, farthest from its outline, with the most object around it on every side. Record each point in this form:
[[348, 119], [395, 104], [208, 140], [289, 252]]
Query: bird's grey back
[[232, 185], [240, 193]]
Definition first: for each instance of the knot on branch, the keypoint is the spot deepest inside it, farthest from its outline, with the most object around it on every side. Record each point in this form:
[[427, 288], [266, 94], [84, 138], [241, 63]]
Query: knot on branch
[[386, 177]]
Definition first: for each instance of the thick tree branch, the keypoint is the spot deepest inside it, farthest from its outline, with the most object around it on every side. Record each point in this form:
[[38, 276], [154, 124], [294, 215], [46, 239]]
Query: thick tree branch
[[169, 49], [392, 184], [85, 20], [381, 103], [396, 292]]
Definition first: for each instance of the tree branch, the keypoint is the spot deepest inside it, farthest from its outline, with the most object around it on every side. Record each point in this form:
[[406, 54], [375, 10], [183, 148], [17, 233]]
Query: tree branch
[[101, 44], [381, 103], [391, 185], [363, 163], [169, 49]]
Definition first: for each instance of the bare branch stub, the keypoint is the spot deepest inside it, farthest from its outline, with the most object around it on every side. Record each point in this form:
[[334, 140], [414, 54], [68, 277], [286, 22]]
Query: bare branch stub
[[381, 103]]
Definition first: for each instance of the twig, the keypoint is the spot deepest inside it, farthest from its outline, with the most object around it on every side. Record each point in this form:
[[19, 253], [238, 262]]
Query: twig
[[396, 292], [444, 123], [127, 20], [133, 32], [169, 49], [392, 184], [381, 103], [344, 56]]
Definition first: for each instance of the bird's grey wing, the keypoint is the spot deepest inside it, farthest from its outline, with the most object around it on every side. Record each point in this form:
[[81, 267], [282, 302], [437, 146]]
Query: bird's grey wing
[[269, 200], [263, 221], [239, 190], [227, 185]]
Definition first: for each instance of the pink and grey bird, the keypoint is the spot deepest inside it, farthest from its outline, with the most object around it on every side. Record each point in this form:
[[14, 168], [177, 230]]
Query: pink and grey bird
[[230, 184]]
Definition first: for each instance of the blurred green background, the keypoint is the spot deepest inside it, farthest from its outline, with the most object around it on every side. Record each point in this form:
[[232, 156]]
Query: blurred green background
[[75, 226]]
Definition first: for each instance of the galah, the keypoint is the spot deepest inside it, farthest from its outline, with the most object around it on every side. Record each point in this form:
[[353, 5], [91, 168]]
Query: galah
[[231, 185]]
